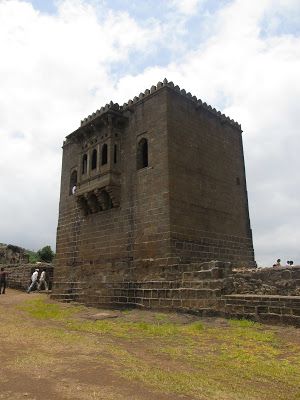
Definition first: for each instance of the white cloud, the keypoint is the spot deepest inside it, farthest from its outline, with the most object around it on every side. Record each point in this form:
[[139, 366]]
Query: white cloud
[[257, 80], [185, 7], [56, 70], [51, 66]]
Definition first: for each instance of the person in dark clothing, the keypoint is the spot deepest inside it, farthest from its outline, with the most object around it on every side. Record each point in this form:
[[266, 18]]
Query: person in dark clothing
[[2, 280]]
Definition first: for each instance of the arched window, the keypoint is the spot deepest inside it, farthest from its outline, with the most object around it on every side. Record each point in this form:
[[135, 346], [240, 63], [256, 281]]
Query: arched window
[[115, 154], [142, 154], [73, 182], [104, 154], [84, 164], [94, 159]]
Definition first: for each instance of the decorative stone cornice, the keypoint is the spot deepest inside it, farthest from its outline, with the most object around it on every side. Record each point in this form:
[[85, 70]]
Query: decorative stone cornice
[[114, 107]]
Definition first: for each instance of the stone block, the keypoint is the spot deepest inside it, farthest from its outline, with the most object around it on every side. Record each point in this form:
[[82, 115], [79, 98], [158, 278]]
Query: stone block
[[275, 310], [176, 303], [296, 311], [290, 320], [165, 303]]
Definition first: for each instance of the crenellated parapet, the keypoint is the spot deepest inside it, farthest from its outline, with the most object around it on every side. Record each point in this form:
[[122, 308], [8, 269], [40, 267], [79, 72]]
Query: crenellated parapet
[[112, 108], [199, 104], [110, 117]]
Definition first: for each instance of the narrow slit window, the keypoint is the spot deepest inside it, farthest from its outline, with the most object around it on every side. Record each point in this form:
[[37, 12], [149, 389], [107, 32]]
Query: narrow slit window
[[142, 154], [84, 164], [94, 159], [104, 154]]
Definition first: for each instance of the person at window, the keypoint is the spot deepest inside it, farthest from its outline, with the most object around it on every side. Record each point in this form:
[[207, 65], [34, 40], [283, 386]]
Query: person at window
[[74, 189]]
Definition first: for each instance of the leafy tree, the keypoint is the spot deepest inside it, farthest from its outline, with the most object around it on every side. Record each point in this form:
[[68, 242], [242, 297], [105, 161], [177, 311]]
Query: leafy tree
[[33, 256], [46, 254]]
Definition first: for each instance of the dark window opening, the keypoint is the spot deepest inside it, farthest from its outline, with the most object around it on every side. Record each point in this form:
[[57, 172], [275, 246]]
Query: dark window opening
[[84, 164], [93, 204], [142, 154], [105, 201], [73, 182], [104, 154], [94, 159], [115, 153]]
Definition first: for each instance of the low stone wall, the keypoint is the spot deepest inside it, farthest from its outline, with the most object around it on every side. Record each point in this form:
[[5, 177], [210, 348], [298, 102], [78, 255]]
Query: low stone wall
[[19, 275], [198, 286], [210, 288], [283, 281], [271, 309]]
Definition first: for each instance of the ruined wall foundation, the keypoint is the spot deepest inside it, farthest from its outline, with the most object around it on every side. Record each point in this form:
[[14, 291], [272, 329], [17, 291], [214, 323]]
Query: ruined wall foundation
[[207, 289], [19, 275]]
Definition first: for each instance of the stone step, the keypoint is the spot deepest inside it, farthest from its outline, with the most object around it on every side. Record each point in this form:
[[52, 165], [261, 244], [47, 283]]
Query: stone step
[[69, 284], [158, 284], [66, 294], [208, 265], [265, 308], [65, 297], [213, 273], [179, 293], [204, 284]]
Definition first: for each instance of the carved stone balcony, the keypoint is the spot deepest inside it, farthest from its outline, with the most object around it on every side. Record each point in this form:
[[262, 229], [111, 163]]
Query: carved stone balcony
[[99, 193]]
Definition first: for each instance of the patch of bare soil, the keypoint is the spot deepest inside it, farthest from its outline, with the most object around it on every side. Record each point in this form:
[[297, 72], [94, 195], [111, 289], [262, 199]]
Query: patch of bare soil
[[41, 359], [69, 376]]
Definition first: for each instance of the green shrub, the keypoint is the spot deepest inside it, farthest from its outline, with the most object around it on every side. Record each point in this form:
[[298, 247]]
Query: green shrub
[[46, 254]]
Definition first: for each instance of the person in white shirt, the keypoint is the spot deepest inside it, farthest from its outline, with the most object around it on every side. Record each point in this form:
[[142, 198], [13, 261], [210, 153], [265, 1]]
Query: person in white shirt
[[43, 281], [74, 189], [34, 277]]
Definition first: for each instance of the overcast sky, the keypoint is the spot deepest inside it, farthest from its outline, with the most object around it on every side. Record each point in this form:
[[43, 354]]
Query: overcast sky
[[62, 60]]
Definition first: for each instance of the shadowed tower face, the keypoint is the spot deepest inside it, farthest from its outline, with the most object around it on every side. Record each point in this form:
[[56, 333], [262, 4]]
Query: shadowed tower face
[[159, 181]]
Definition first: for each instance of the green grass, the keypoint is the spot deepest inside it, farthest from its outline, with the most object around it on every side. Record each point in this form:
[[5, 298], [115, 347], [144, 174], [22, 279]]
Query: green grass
[[241, 359], [40, 309], [244, 323]]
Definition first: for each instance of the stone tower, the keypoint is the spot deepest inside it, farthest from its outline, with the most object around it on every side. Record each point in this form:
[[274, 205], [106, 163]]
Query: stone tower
[[159, 181]]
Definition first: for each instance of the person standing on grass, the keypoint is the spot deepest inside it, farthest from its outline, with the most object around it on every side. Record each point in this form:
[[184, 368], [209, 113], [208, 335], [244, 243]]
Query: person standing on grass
[[3, 276], [34, 277], [43, 281]]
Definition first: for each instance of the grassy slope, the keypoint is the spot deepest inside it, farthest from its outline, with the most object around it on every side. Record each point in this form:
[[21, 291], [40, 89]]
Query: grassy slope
[[202, 360]]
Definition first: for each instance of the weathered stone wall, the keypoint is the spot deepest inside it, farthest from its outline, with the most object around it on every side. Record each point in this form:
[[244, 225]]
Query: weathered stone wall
[[196, 285], [11, 254], [140, 236], [208, 193], [188, 205], [138, 227], [268, 295], [202, 288], [283, 281], [269, 308], [19, 275]]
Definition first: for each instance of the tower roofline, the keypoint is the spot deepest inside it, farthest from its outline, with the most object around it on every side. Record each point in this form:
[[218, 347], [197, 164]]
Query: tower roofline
[[127, 106]]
